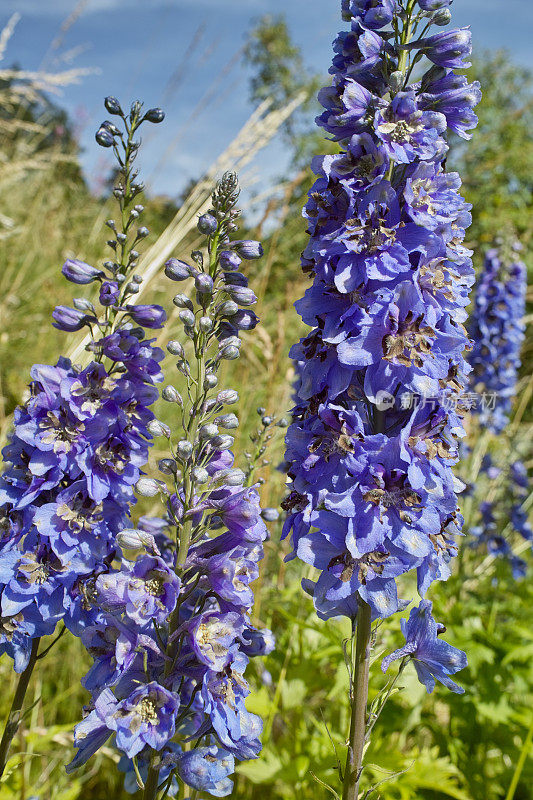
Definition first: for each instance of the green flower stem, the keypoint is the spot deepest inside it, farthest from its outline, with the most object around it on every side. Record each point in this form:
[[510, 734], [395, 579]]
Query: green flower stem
[[359, 699], [15, 713], [520, 764], [152, 782]]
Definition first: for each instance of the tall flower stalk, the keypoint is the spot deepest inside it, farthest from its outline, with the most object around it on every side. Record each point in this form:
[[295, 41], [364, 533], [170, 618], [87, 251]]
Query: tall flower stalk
[[502, 526], [378, 411], [169, 659], [497, 330], [80, 441]]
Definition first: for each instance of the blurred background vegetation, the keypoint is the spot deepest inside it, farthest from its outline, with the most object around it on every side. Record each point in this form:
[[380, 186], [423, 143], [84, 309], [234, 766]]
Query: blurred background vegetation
[[470, 747]]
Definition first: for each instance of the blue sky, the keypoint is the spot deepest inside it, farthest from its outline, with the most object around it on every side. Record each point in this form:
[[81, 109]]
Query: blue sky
[[138, 45]]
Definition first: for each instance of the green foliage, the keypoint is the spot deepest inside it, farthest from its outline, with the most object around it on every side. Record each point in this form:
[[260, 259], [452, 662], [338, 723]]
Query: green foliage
[[497, 165], [279, 74]]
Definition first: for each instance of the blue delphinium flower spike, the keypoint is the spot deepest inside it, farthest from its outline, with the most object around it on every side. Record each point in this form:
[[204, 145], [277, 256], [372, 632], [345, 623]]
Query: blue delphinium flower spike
[[79, 444], [379, 409], [175, 637], [497, 330]]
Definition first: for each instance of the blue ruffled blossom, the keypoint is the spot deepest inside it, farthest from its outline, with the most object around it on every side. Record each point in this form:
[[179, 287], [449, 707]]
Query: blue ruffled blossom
[[434, 659]]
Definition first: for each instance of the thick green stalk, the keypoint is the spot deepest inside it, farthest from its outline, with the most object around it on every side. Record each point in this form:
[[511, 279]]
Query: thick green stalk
[[359, 699], [151, 784], [15, 713]]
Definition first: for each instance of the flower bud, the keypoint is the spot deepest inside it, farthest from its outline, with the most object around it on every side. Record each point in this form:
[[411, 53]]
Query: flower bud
[[208, 431], [227, 421], [70, 319], [104, 138], [182, 301], [167, 466], [199, 475], [187, 317], [148, 487], [227, 397], [230, 260], [184, 449], [82, 304], [396, 81], [210, 381], [447, 49], [205, 324], [152, 316], [235, 477], [175, 348], [229, 477], [142, 232], [158, 428], [154, 115], [223, 441], [228, 309], [203, 283], [112, 105], [241, 294], [133, 539], [248, 249], [442, 17], [245, 320], [171, 395], [79, 272], [270, 514], [207, 224], [232, 341], [266, 421], [433, 5], [177, 270], [229, 353]]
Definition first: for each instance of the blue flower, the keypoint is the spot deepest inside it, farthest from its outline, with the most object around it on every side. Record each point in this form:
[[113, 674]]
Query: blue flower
[[433, 658], [145, 718], [146, 591], [378, 409], [207, 769], [79, 272]]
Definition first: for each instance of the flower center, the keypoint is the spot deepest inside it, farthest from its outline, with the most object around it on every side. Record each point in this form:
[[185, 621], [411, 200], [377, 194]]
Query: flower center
[[410, 343], [147, 711], [371, 236]]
